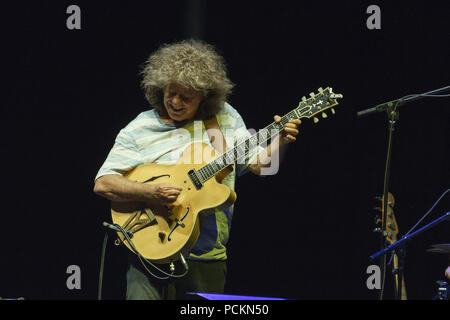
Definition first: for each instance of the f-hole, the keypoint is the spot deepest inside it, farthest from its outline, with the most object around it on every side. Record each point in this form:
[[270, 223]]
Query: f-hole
[[156, 177], [179, 223]]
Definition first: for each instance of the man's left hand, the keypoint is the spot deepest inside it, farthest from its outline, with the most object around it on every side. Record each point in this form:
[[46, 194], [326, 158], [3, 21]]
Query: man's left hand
[[290, 130]]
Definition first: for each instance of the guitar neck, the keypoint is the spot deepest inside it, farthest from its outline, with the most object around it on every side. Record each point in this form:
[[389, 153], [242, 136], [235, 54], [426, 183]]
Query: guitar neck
[[307, 108], [242, 149]]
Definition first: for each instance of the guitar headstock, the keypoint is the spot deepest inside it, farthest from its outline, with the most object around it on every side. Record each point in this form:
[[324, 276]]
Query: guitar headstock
[[319, 102], [391, 230]]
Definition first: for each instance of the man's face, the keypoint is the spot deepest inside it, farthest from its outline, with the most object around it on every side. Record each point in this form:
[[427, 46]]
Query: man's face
[[181, 103]]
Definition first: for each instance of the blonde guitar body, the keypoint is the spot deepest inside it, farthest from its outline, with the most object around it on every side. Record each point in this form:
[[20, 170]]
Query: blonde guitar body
[[161, 233]]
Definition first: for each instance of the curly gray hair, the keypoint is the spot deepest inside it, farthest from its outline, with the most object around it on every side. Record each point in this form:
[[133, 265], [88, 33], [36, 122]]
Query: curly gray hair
[[193, 64]]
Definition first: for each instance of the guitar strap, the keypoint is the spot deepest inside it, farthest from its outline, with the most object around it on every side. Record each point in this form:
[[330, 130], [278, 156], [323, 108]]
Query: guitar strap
[[215, 134]]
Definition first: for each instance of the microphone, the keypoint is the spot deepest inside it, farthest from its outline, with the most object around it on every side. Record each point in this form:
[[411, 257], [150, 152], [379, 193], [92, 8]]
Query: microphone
[[111, 226], [183, 261], [379, 108], [116, 228]]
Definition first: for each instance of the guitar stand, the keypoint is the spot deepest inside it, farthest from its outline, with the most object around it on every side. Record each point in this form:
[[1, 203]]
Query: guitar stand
[[393, 116], [399, 245], [399, 272]]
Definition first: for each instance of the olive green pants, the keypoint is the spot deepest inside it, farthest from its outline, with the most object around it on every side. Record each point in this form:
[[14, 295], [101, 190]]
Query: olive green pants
[[203, 276]]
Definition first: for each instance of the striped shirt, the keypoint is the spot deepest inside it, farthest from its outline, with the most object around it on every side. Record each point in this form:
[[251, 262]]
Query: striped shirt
[[147, 139]]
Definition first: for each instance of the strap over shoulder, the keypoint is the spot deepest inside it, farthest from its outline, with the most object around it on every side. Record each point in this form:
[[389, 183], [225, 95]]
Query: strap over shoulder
[[215, 134]]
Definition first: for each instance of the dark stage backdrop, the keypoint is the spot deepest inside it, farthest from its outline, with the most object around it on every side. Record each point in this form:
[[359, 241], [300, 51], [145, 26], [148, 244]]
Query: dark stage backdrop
[[305, 233]]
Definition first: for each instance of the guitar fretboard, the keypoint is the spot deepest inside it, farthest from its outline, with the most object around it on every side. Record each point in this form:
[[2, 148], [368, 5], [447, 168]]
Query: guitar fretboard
[[240, 153], [242, 149]]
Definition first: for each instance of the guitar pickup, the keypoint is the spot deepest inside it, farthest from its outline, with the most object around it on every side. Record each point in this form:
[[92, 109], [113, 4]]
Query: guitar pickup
[[195, 179]]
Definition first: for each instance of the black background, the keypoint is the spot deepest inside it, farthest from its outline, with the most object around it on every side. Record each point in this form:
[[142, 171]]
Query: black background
[[305, 233]]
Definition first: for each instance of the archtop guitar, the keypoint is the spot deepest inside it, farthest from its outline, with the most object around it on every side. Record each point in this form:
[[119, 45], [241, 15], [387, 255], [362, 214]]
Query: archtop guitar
[[162, 234]]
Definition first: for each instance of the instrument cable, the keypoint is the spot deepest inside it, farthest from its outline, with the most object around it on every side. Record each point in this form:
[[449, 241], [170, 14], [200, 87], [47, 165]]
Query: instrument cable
[[142, 259]]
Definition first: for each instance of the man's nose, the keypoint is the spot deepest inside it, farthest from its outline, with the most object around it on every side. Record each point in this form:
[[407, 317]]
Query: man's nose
[[176, 100]]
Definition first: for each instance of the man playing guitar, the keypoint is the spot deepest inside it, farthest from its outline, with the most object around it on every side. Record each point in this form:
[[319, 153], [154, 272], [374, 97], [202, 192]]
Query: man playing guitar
[[185, 84]]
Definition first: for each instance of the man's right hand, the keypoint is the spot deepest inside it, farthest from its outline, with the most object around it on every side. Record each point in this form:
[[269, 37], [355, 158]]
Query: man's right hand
[[163, 193], [118, 188]]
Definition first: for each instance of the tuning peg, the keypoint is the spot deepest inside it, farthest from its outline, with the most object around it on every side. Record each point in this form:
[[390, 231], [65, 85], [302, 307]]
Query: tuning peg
[[312, 94], [315, 120], [377, 220], [384, 233], [332, 111], [320, 89], [324, 115]]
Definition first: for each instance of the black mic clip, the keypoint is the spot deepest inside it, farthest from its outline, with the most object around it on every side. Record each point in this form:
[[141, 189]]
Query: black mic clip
[[117, 228]]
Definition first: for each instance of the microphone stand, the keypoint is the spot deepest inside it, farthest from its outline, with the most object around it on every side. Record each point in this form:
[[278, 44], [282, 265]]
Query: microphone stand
[[398, 102], [399, 246], [391, 108], [393, 116]]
